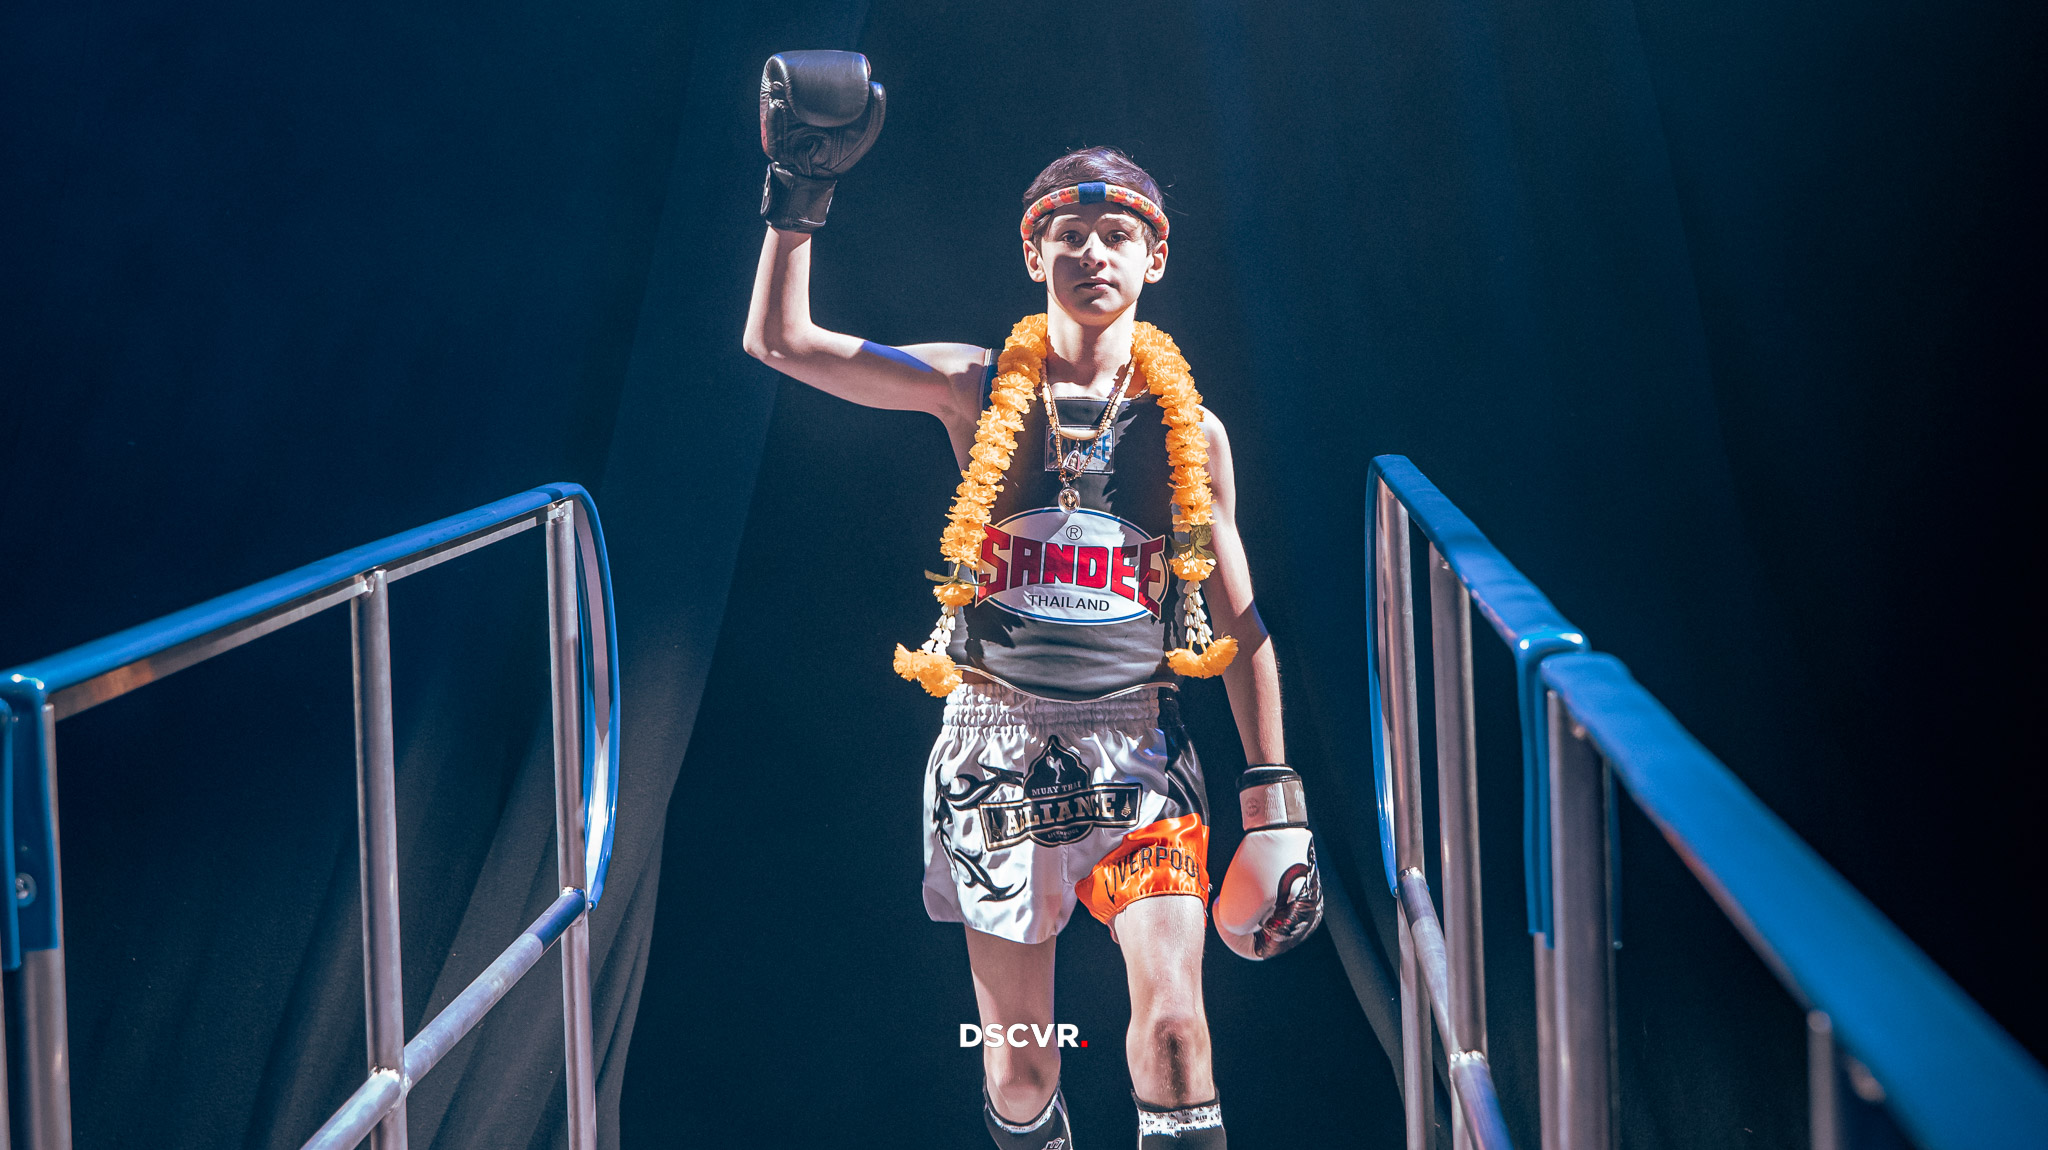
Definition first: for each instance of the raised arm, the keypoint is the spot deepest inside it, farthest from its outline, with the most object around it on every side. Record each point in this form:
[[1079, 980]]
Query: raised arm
[[1253, 679], [820, 112], [941, 378]]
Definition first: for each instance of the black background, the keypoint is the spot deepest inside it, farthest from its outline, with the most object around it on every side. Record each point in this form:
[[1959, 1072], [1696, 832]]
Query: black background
[[1716, 316]]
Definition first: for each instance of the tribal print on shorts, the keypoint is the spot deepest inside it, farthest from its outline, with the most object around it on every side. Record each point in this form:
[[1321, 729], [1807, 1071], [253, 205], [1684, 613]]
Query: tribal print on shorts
[[1023, 796]]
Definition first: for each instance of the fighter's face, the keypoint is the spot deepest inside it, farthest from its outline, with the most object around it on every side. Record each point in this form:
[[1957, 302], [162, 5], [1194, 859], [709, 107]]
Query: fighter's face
[[1094, 261]]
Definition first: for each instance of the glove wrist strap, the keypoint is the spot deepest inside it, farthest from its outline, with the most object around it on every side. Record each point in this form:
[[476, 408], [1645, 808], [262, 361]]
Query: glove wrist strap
[[1270, 797], [794, 203]]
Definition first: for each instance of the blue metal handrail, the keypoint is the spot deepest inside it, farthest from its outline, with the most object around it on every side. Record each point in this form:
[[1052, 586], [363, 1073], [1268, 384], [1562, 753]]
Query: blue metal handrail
[[1951, 1076], [35, 695], [1531, 626], [29, 686], [1943, 1069]]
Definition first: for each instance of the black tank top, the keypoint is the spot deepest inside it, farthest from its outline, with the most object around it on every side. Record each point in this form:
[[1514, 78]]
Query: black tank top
[[1074, 604]]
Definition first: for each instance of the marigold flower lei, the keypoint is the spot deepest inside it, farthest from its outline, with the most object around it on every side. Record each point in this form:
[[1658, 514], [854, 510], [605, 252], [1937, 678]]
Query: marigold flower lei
[[1019, 370]]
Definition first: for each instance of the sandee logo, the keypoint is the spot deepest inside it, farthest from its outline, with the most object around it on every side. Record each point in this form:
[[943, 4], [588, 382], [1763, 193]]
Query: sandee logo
[[1083, 567]]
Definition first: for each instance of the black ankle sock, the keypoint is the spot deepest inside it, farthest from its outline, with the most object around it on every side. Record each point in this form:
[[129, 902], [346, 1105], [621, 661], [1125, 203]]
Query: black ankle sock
[[1048, 1131], [1198, 1126]]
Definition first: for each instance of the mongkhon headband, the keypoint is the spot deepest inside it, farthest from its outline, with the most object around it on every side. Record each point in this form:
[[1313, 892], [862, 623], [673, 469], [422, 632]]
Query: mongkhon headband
[[1093, 193]]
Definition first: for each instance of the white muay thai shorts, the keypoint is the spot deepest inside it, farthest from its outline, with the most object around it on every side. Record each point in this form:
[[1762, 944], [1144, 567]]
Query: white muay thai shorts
[[1032, 805]]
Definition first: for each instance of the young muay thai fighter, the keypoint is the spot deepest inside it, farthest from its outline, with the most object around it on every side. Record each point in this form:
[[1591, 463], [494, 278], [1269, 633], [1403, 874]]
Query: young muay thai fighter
[[1096, 503]]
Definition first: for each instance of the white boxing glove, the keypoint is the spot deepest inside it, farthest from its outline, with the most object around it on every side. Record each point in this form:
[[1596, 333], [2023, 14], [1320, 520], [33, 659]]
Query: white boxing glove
[[1272, 897]]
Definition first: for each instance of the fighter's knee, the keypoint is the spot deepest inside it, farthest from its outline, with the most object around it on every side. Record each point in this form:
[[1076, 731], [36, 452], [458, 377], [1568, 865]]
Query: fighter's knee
[[1020, 1087], [1027, 1077], [1174, 1035]]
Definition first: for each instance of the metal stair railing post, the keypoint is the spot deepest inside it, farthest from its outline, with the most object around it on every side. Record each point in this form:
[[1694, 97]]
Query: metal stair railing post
[[1396, 641], [1844, 1102], [1442, 971], [45, 1044], [1546, 1042], [1457, 774], [584, 670], [1582, 950], [6, 851], [565, 643], [377, 843]]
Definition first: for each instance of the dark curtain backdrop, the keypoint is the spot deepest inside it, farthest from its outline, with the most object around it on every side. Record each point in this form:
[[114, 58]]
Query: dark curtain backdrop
[[1715, 316], [278, 282]]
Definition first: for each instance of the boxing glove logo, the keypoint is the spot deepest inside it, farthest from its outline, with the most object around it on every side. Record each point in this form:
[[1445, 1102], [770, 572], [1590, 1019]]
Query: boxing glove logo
[[1297, 908]]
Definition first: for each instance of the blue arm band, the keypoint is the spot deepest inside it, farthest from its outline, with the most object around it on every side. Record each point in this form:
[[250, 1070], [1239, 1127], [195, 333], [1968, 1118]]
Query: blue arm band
[[895, 355]]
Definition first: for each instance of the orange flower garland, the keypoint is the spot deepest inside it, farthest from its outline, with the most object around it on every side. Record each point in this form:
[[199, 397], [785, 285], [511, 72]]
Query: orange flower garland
[[1019, 370]]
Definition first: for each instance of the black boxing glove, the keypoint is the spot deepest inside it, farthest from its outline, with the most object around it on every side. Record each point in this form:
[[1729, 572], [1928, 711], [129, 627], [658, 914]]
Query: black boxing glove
[[819, 115]]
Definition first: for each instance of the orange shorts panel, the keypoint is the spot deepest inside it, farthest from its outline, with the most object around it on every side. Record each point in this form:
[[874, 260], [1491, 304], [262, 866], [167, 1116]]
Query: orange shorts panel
[[1170, 856]]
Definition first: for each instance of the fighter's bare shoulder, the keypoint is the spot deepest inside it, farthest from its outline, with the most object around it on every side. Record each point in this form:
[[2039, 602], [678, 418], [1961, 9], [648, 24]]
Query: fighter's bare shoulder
[[1217, 437], [1222, 469]]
